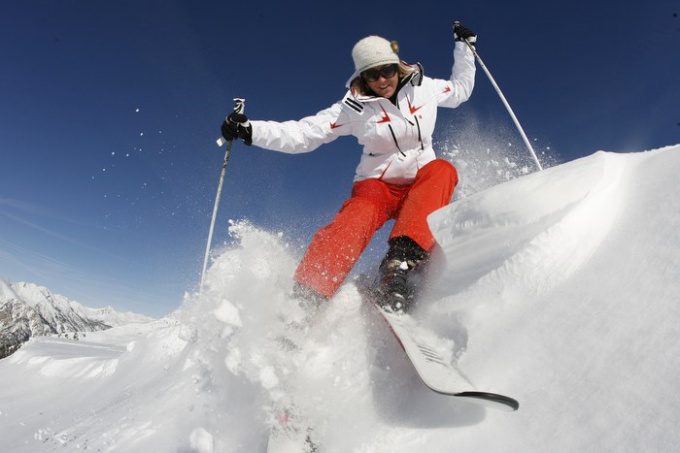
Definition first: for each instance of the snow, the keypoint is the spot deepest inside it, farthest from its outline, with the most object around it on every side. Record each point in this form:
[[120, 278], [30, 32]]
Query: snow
[[558, 288]]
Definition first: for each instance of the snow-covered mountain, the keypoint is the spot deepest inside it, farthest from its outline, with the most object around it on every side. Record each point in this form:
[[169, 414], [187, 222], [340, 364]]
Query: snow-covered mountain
[[558, 288], [28, 310]]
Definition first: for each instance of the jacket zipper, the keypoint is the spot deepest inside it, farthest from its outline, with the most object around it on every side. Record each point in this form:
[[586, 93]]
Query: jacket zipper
[[394, 137], [420, 137]]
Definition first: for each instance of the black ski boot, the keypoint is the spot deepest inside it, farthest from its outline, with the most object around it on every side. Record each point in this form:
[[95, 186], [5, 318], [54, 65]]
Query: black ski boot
[[309, 300], [309, 303], [303, 306], [400, 274]]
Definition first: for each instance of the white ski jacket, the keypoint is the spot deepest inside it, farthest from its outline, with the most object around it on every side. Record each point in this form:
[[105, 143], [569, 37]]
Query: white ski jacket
[[397, 139]]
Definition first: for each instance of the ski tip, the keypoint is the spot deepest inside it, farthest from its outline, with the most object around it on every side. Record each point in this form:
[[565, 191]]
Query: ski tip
[[491, 400]]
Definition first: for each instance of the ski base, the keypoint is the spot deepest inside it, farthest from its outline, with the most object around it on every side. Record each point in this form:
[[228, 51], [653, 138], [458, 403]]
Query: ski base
[[435, 368]]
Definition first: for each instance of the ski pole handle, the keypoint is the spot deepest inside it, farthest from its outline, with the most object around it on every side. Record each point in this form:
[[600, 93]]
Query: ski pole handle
[[238, 108], [456, 26]]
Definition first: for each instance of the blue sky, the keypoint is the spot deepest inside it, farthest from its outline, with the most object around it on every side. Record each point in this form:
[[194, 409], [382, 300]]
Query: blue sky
[[110, 111]]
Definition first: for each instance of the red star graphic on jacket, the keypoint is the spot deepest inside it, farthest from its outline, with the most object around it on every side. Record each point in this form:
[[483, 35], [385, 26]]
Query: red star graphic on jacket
[[386, 118], [412, 108]]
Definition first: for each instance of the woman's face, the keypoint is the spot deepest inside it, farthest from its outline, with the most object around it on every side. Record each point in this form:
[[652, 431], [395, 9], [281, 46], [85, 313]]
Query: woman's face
[[382, 80]]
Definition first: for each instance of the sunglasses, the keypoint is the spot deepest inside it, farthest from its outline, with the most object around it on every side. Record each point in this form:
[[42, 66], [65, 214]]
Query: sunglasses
[[373, 74]]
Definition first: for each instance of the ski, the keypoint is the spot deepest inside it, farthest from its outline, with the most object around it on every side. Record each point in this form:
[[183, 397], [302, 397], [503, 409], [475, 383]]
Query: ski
[[435, 370], [290, 433]]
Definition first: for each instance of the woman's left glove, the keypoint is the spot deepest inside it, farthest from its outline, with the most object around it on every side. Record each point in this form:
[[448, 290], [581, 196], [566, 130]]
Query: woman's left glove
[[237, 126], [462, 33]]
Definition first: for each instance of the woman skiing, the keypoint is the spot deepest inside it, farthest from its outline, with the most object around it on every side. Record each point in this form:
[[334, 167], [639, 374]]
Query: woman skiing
[[391, 108]]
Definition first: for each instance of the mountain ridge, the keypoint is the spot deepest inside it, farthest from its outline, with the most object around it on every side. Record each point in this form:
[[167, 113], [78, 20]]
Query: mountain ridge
[[30, 310]]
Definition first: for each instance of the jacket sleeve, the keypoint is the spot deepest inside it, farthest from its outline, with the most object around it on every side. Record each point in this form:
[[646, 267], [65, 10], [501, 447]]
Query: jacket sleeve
[[300, 136], [458, 88]]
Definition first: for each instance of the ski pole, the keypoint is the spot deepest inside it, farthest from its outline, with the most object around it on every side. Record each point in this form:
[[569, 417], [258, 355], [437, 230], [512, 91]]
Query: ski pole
[[238, 108], [456, 24]]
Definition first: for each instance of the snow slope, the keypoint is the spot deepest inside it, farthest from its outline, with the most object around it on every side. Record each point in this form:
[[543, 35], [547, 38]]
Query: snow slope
[[559, 288]]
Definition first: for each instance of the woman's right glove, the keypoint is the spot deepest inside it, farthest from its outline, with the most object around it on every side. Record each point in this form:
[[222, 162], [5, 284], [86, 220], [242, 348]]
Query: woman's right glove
[[237, 126]]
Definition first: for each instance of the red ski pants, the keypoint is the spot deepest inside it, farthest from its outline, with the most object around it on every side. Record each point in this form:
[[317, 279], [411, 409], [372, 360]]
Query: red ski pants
[[336, 247]]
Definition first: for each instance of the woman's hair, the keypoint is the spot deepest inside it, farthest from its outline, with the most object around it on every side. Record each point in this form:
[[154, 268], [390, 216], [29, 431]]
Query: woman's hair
[[359, 85]]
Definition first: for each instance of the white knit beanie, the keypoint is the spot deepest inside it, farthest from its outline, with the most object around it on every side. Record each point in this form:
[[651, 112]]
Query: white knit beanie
[[371, 52]]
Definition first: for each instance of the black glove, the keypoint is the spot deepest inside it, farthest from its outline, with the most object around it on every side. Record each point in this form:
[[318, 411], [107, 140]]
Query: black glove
[[237, 126], [462, 33]]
